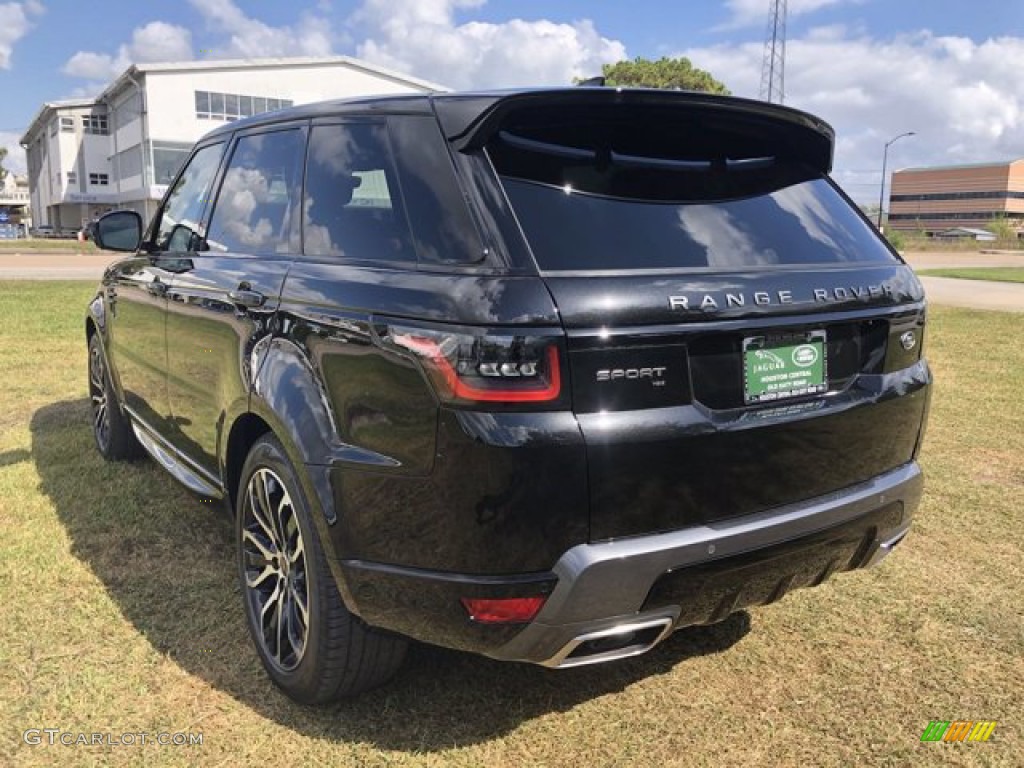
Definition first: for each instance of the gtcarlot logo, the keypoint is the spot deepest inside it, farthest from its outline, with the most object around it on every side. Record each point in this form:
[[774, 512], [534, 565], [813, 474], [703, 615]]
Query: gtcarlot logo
[[57, 736]]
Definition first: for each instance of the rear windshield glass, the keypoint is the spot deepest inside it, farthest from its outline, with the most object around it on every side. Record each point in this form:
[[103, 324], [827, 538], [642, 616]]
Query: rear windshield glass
[[594, 208]]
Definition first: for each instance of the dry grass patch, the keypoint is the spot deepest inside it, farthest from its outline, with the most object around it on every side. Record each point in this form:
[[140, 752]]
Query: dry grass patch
[[122, 613]]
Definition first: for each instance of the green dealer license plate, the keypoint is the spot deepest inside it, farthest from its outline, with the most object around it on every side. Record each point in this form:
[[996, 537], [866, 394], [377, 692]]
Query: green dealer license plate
[[778, 368]]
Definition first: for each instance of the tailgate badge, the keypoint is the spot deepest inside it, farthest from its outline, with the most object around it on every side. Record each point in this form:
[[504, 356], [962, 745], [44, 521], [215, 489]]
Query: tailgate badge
[[655, 374]]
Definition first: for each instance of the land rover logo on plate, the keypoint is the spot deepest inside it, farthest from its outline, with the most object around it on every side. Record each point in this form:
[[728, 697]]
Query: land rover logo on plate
[[908, 340], [805, 355]]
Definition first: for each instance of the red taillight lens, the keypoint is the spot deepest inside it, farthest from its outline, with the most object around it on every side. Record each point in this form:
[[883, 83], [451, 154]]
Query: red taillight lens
[[504, 610], [485, 368]]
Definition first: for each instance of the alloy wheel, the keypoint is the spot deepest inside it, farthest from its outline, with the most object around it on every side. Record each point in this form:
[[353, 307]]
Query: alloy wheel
[[98, 392], [274, 560]]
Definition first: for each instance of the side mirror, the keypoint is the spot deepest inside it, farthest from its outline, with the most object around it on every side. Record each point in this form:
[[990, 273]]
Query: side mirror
[[118, 231]]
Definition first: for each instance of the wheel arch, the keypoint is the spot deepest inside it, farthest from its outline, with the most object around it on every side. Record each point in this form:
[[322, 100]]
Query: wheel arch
[[314, 479], [245, 431], [96, 318]]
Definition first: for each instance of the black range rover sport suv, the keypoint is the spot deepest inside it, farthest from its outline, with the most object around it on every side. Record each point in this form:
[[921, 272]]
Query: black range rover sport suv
[[542, 375]]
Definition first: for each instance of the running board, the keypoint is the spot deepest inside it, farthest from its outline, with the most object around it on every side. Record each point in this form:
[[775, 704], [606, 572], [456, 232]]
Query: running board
[[167, 458]]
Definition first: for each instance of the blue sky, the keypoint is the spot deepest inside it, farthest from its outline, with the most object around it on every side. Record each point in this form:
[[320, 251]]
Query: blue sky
[[948, 69]]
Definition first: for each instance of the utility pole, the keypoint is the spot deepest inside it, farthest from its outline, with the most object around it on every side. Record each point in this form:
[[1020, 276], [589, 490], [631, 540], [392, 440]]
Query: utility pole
[[773, 65], [885, 157]]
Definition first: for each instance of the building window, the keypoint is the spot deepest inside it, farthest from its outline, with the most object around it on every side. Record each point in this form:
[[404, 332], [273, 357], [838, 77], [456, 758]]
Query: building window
[[128, 163], [53, 128], [202, 105], [943, 216], [232, 106], [168, 157], [1003, 194], [67, 125], [72, 177], [99, 179], [127, 111], [95, 124]]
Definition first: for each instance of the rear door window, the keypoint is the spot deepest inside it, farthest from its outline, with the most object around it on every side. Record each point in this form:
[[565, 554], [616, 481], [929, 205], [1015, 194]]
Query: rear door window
[[593, 199], [257, 207]]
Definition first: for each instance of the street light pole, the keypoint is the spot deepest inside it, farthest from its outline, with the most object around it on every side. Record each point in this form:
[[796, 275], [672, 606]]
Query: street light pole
[[885, 157]]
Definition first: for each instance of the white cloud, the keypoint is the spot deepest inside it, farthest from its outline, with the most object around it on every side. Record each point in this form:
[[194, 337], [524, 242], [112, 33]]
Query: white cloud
[[156, 41], [964, 99], [15, 160], [422, 38], [90, 90], [15, 23], [251, 38], [747, 13]]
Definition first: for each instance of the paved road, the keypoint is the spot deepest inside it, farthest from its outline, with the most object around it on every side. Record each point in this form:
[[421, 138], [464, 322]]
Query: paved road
[[63, 265], [947, 259], [974, 294], [978, 294]]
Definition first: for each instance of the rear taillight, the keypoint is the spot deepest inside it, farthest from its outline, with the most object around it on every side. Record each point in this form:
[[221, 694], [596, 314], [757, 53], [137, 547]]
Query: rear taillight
[[485, 368]]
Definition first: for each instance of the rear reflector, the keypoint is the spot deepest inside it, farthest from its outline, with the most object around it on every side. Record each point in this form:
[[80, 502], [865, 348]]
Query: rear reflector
[[506, 610]]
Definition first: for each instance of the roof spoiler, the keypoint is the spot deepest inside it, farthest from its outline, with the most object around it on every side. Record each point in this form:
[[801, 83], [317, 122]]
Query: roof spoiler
[[469, 121]]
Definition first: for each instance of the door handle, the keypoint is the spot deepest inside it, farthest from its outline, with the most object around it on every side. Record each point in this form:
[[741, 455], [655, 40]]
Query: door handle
[[247, 298]]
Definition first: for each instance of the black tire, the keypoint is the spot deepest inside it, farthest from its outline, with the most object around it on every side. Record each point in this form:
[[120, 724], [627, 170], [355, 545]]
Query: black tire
[[114, 436], [326, 653]]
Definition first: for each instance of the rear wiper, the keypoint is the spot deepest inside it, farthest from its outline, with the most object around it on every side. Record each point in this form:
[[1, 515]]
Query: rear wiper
[[561, 150], [637, 161], [740, 164]]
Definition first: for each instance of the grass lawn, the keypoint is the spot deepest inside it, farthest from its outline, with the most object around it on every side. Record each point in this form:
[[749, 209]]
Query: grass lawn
[[121, 613], [999, 274]]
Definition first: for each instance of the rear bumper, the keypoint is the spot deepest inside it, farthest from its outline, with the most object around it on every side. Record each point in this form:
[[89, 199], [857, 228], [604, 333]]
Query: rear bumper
[[619, 598], [608, 589]]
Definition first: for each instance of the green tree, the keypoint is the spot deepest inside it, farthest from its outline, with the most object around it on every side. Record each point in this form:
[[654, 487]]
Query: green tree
[[1002, 229], [3, 171], [896, 239], [663, 73]]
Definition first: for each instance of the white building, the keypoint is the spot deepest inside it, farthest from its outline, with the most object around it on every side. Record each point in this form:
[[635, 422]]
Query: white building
[[14, 197], [121, 149]]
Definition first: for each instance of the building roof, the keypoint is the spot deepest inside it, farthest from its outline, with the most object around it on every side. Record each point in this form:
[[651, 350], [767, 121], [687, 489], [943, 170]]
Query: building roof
[[205, 65], [961, 166], [208, 65], [972, 231], [44, 113]]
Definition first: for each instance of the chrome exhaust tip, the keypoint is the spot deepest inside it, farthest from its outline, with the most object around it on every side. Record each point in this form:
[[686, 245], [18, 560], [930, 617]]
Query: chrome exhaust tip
[[618, 642], [885, 548]]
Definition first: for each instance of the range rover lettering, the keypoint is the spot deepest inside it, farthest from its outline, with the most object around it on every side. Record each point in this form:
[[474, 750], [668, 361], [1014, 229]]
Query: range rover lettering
[[543, 375]]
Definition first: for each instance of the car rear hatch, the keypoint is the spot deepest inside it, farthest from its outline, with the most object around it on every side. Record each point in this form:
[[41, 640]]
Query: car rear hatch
[[739, 336]]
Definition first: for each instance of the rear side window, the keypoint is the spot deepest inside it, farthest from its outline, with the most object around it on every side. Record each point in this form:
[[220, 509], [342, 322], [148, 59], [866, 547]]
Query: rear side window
[[442, 228], [353, 208], [257, 208], [644, 194]]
